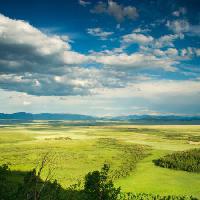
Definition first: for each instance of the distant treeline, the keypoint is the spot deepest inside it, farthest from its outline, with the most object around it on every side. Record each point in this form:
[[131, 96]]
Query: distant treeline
[[133, 119], [185, 160], [97, 186]]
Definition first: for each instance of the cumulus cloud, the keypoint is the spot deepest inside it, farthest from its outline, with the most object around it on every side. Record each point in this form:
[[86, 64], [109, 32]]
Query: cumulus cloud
[[171, 52], [119, 12], [25, 48], [75, 81], [30, 60], [167, 40], [44, 85], [178, 26], [190, 52], [183, 26], [124, 61], [164, 96], [141, 30], [98, 32], [137, 38], [84, 3], [45, 65], [147, 40]]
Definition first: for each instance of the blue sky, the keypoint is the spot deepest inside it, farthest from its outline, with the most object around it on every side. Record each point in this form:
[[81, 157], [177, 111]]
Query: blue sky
[[100, 57]]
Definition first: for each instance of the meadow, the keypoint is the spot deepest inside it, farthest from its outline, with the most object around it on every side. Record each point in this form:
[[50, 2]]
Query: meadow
[[79, 147]]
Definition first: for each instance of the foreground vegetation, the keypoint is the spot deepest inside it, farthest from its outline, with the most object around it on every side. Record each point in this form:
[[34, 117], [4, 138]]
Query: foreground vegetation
[[185, 160], [97, 186], [80, 149]]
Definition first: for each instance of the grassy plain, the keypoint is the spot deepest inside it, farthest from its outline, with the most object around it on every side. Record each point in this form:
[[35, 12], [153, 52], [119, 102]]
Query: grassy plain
[[79, 148]]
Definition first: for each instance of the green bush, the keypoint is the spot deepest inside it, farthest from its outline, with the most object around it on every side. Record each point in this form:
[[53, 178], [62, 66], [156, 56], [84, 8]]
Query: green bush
[[185, 160], [98, 186]]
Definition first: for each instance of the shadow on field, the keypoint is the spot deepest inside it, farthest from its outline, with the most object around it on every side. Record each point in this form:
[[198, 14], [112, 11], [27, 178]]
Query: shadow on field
[[17, 185], [28, 185]]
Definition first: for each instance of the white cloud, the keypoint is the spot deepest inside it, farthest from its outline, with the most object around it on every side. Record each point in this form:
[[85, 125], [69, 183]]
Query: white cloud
[[153, 89], [171, 52], [175, 96], [25, 48], [147, 40], [19, 32], [98, 32], [26, 103], [45, 65], [84, 3], [119, 12], [159, 96], [166, 40], [178, 26], [156, 52], [183, 26], [190, 52], [135, 60], [137, 38], [141, 30]]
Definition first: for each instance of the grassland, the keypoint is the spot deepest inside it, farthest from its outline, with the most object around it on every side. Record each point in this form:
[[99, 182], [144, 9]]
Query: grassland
[[79, 148]]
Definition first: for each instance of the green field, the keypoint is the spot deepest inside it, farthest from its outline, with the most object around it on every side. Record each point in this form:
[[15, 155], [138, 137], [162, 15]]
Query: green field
[[78, 149]]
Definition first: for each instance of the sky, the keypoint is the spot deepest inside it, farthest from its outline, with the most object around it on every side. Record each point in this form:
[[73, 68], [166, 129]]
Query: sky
[[102, 58]]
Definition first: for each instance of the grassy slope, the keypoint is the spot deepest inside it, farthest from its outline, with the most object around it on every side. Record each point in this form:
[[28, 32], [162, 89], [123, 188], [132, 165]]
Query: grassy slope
[[23, 145], [152, 179]]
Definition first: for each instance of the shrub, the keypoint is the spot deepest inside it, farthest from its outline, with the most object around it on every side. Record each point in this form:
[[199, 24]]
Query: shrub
[[185, 160]]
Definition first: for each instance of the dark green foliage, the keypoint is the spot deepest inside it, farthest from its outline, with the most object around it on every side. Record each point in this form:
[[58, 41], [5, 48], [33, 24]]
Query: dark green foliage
[[33, 188], [7, 189], [185, 160], [97, 186], [4, 171]]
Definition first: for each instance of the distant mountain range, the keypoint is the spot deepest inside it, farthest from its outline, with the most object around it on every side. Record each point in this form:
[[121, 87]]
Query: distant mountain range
[[57, 116], [45, 116], [156, 117]]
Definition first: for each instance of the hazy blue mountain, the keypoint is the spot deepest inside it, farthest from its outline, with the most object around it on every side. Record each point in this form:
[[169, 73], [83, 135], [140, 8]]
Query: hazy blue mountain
[[156, 117], [130, 118], [159, 119], [19, 115], [45, 116]]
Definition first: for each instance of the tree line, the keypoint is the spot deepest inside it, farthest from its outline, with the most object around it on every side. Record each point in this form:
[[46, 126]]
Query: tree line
[[184, 160]]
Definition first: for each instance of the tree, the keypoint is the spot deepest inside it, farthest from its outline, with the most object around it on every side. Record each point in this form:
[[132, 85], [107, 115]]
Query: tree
[[34, 188], [98, 185]]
